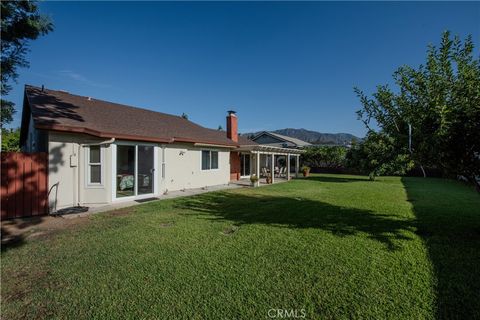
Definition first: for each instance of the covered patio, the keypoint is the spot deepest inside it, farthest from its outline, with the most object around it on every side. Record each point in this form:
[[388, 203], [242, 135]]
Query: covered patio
[[270, 164]]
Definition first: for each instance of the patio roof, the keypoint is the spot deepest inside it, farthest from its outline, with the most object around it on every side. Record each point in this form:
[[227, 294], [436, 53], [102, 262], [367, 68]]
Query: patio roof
[[269, 149]]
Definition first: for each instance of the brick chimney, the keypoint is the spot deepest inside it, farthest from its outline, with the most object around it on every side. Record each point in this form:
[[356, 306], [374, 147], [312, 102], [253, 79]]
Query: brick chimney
[[232, 126]]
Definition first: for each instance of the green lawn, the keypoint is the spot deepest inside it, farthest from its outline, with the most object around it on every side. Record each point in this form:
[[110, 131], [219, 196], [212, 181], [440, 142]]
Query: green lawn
[[335, 246]]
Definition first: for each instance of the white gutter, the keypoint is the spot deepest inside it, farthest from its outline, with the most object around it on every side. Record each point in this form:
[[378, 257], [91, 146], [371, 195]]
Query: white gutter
[[110, 141], [213, 145]]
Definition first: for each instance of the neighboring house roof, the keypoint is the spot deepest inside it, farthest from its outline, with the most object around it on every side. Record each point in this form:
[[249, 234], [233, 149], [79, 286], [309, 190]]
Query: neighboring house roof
[[244, 141], [62, 111], [297, 142]]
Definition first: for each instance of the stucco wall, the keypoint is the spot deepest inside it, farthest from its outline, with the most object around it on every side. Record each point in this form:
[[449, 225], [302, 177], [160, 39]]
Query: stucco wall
[[183, 168], [30, 143], [68, 165], [67, 175]]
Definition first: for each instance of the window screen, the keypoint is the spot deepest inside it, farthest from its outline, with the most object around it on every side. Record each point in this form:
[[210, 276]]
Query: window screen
[[205, 160], [214, 156], [95, 165]]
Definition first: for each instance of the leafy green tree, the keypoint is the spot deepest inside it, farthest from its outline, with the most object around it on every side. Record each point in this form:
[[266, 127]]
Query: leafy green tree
[[21, 23], [324, 157], [11, 139], [378, 155], [441, 102]]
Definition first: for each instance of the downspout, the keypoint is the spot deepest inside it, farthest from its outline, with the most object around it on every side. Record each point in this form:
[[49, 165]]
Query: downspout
[[83, 145]]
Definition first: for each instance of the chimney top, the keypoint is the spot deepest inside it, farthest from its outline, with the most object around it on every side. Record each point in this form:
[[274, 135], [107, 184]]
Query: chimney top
[[232, 126]]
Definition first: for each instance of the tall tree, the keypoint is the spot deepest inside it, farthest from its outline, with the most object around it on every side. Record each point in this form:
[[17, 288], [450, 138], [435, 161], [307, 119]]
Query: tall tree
[[11, 139], [441, 102], [378, 155], [21, 23]]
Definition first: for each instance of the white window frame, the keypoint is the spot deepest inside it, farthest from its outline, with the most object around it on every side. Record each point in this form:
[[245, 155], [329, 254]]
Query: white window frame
[[210, 164], [88, 183]]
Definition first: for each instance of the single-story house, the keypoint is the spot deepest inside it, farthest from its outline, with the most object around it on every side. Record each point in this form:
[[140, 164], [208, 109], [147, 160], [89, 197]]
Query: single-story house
[[101, 152], [279, 140]]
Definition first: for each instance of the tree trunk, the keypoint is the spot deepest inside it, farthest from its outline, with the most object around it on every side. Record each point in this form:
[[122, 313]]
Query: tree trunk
[[423, 171], [475, 182]]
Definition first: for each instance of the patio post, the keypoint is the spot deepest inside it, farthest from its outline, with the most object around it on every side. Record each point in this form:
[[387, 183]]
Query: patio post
[[297, 165], [288, 166], [257, 169], [272, 168]]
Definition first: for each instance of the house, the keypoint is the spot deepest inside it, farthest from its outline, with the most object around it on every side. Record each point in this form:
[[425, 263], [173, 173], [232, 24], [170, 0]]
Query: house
[[278, 140], [101, 152]]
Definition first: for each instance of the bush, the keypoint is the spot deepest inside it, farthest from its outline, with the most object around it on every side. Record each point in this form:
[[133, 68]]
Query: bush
[[332, 157]]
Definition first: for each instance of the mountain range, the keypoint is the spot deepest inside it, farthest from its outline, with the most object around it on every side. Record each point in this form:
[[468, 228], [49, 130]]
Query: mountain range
[[314, 137]]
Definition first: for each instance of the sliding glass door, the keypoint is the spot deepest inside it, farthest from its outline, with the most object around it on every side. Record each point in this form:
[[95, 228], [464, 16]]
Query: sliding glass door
[[145, 170], [135, 167], [125, 171], [244, 165]]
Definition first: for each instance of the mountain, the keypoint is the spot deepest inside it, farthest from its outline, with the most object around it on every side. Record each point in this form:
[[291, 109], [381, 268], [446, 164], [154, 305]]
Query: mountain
[[314, 137]]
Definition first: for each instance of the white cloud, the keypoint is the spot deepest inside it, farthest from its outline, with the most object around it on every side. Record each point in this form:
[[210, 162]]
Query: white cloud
[[81, 78]]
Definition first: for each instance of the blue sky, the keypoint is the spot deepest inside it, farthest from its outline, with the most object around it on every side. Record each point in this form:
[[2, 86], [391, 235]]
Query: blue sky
[[278, 64]]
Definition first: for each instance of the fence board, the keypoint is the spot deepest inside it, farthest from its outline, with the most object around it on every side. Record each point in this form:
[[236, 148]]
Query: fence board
[[24, 184]]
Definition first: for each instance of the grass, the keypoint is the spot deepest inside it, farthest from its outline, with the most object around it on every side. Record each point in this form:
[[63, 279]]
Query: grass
[[338, 247]]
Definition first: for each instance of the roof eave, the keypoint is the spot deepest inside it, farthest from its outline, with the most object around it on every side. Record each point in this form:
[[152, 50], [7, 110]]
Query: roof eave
[[263, 148], [95, 133]]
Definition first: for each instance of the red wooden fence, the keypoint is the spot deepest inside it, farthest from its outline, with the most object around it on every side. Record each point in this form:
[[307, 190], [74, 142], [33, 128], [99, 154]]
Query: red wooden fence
[[24, 184]]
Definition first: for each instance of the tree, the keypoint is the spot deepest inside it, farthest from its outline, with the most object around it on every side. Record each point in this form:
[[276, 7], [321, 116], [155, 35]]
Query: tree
[[378, 155], [11, 139], [184, 116], [21, 23], [441, 101], [220, 128], [324, 157]]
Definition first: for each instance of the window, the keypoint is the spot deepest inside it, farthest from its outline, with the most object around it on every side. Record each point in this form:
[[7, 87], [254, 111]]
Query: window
[[94, 165], [214, 157], [209, 160]]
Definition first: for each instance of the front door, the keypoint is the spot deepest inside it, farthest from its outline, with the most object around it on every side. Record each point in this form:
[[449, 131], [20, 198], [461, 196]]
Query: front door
[[245, 165]]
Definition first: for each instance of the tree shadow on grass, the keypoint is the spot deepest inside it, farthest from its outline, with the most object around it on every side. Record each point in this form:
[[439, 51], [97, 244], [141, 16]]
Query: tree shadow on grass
[[448, 216], [291, 212]]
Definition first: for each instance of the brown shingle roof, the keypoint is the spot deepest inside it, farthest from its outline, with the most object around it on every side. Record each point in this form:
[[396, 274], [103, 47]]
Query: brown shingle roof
[[62, 111]]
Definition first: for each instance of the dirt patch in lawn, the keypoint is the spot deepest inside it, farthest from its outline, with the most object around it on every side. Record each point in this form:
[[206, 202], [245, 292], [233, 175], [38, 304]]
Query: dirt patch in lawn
[[166, 224], [230, 230], [120, 212], [16, 231]]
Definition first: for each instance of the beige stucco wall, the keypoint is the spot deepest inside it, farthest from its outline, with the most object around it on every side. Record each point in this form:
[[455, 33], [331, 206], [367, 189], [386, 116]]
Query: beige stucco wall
[[67, 175], [31, 137], [183, 168], [67, 178]]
